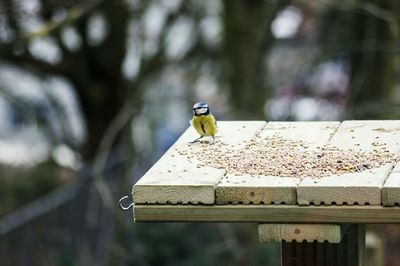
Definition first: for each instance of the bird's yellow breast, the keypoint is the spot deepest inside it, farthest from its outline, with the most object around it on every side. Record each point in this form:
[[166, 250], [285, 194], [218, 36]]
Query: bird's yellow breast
[[205, 125]]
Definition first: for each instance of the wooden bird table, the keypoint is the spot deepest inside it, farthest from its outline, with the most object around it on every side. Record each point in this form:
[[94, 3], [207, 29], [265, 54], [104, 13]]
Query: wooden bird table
[[310, 185]]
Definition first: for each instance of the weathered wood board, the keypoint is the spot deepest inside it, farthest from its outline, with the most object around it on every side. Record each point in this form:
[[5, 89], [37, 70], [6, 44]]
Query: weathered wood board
[[300, 232], [247, 189], [391, 188], [354, 188], [177, 178], [267, 213]]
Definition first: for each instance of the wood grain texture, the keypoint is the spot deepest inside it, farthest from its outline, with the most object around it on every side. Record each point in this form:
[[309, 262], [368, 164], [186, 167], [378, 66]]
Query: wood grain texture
[[250, 189], [299, 232], [391, 188], [236, 133], [354, 188], [259, 189], [177, 178], [267, 213], [349, 189]]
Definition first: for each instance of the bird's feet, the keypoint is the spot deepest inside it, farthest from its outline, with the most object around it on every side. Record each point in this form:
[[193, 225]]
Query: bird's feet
[[194, 141], [200, 140], [213, 140]]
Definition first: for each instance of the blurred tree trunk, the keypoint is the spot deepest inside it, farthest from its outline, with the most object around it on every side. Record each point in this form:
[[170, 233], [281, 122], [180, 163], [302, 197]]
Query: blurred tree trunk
[[99, 82], [102, 91], [95, 72], [373, 62], [246, 38]]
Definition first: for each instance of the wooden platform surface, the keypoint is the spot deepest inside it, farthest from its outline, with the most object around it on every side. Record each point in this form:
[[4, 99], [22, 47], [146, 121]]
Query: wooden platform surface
[[179, 184]]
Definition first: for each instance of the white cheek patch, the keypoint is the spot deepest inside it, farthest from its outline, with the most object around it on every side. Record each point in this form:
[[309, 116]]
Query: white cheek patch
[[200, 111]]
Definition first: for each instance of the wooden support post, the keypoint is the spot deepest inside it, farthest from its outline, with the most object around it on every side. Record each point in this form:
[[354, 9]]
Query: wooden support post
[[349, 252]]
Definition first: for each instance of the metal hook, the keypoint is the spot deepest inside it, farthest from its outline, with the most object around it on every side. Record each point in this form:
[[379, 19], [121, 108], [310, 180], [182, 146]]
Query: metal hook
[[122, 207]]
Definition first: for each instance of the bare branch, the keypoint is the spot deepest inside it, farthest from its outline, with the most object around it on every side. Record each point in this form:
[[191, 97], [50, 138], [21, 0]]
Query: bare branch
[[37, 208], [106, 144], [75, 13], [366, 6], [25, 58]]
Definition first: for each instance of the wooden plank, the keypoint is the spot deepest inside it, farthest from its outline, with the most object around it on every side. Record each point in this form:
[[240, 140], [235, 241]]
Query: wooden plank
[[267, 213], [349, 189], [354, 188], [391, 188], [260, 189], [299, 232], [249, 189], [177, 176], [235, 133]]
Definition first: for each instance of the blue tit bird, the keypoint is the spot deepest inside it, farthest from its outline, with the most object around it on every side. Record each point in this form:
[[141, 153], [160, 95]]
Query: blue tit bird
[[203, 121]]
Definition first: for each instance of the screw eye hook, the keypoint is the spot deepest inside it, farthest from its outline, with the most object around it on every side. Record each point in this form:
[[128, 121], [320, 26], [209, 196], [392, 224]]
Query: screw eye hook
[[123, 207]]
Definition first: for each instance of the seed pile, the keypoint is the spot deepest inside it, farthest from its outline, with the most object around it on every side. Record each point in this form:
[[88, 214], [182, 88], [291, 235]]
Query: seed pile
[[277, 156]]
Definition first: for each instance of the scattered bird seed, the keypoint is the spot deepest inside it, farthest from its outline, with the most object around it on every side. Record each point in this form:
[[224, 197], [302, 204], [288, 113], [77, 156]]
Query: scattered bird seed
[[276, 156]]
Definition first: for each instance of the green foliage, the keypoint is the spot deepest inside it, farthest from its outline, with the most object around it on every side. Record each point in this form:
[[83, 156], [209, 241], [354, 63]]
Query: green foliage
[[65, 258]]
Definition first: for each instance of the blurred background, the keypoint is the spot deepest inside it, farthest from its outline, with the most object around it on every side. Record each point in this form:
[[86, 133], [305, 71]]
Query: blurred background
[[92, 92]]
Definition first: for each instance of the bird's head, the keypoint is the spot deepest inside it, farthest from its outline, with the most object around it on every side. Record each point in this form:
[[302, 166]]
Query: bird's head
[[200, 108]]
